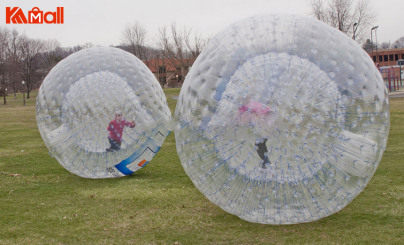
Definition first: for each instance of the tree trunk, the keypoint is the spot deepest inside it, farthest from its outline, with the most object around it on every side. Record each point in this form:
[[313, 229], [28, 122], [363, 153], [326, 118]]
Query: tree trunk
[[4, 94], [28, 88]]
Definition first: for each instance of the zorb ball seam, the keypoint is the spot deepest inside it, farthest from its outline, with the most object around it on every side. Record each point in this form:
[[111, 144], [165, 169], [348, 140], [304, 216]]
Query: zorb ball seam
[[282, 120], [102, 113]]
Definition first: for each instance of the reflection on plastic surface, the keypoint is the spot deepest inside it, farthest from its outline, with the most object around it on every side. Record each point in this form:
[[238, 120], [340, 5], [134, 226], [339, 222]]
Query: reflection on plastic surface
[[282, 119], [102, 113]]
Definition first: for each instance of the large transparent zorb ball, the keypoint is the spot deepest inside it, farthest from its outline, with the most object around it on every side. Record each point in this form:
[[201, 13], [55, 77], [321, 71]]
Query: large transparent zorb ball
[[102, 113], [281, 120]]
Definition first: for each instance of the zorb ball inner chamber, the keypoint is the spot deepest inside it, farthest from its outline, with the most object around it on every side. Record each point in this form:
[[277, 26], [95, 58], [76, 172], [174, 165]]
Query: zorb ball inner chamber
[[102, 113], [281, 120]]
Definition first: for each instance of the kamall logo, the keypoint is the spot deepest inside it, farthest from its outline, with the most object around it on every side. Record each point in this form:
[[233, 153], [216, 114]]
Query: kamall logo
[[15, 15]]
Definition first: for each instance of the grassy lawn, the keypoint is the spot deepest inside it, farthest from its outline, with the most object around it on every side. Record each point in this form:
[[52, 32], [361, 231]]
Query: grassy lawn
[[42, 203]]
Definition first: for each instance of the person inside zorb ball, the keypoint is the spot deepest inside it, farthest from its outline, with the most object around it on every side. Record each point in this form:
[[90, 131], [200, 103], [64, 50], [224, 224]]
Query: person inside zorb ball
[[102, 113], [282, 119], [115, 129]]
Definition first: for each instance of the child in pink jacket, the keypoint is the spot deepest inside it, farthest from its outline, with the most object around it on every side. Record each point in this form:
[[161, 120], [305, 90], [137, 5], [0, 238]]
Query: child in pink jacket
[[115, 129]]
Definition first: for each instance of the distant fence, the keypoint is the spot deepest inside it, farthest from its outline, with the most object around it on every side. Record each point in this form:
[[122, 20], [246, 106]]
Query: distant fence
[[391, 77]]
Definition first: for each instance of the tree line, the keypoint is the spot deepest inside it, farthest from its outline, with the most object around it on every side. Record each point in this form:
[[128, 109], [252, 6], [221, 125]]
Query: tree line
[[179, 46], [174, 46], [355, 18], [27, 59]]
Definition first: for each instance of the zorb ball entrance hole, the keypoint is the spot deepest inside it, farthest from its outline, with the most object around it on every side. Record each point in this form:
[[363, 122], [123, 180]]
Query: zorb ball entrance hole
[[281, 120], [102, 113]]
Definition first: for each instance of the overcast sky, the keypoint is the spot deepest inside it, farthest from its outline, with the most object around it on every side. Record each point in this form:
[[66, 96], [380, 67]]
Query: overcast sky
[[101, 22]]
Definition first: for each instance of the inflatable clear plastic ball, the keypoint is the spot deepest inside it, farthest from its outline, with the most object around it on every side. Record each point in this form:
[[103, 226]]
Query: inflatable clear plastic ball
[[281, 120], [102, 113]]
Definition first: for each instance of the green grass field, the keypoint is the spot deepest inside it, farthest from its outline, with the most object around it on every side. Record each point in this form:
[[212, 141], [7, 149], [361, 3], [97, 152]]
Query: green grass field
[[42, 203]]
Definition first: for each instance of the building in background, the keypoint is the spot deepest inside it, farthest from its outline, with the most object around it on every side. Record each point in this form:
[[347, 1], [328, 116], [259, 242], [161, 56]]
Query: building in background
[[387, 62], [387, 57], [169, 73]]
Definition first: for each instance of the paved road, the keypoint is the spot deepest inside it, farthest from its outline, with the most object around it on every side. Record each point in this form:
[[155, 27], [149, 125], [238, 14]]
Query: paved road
[[397, 94]]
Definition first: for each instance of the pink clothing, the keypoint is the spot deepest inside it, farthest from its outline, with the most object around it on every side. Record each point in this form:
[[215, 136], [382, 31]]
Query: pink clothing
[[115, 129], [255, 107], [255, 113]]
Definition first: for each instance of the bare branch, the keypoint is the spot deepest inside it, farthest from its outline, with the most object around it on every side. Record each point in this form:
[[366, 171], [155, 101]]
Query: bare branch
[[399, 43], [348, 16], [134, 35], [31, 60], [318, 10]]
